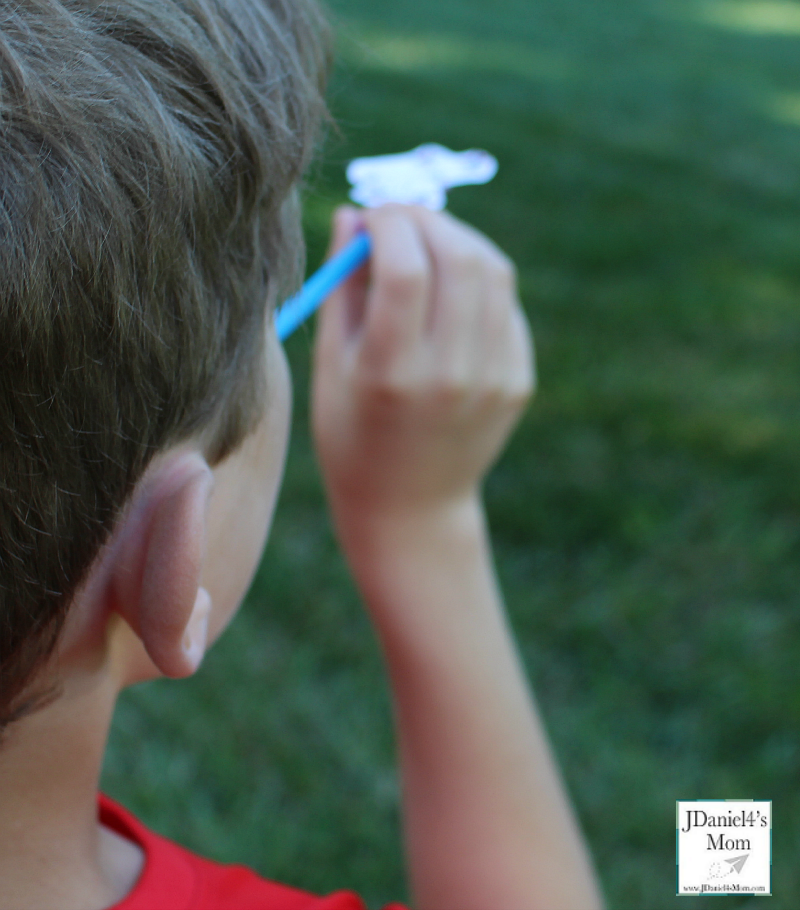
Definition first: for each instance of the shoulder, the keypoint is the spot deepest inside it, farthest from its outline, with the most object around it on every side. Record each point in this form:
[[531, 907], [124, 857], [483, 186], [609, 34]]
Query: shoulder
[[239, 888], [174, 878]]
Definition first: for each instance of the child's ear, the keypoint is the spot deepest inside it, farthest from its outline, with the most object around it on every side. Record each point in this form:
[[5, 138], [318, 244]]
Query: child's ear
[[155, 576]]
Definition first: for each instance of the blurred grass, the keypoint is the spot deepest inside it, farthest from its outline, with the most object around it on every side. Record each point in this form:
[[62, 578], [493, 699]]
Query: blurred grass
[[646, 515]]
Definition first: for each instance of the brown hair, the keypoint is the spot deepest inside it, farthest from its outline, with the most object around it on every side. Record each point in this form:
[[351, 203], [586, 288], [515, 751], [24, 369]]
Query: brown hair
[[148, 154]]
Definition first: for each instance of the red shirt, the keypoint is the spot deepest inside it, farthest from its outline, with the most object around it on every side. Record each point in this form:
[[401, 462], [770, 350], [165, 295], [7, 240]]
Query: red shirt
[[175, 879]]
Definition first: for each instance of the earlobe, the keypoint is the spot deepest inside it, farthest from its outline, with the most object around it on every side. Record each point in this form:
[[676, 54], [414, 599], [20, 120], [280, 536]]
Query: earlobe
[[157, 570], [195, 635]]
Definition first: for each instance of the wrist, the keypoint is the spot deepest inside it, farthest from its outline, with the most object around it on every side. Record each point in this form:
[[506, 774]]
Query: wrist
[[422, 571], [365, 533]]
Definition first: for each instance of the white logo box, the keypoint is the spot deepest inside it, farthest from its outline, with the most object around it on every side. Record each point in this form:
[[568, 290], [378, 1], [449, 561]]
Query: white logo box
[[724, 846]]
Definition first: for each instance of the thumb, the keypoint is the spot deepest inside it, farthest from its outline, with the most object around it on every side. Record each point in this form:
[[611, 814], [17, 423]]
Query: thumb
[[342, 310]]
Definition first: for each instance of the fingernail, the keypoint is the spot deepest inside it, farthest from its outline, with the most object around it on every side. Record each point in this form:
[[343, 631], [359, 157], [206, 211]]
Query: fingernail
[[349, 219]]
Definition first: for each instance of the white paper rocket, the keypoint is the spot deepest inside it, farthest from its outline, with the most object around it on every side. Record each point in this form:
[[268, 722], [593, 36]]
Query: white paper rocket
[[421, 176]]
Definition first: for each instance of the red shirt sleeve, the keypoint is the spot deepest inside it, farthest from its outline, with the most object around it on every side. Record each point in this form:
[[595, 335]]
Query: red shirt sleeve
[[173, 878]]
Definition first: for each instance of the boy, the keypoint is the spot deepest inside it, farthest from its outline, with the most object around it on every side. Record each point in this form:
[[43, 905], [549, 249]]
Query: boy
[[150, 150]]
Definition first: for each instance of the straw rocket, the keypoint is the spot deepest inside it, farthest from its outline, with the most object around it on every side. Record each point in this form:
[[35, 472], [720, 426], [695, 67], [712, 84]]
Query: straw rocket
[[419, 177]]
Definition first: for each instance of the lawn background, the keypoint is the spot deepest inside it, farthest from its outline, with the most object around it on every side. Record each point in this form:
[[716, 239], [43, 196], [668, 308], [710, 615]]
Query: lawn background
[[646, 514]]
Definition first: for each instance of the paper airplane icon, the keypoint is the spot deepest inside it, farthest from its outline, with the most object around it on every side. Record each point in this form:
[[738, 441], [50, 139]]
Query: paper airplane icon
[[737, 862]]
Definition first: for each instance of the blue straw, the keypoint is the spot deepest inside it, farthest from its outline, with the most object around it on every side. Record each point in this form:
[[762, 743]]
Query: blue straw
[[298, 308]]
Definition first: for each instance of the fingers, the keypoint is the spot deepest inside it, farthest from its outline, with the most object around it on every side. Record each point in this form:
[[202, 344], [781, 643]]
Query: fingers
[[476, 323], [399, 297], [437, 295], [343, 309], [524, 379], [461, 289], [508, 355]]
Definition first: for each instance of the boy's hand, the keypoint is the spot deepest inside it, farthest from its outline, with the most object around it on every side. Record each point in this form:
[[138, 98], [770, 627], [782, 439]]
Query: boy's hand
[[422, 367], [423, 363]]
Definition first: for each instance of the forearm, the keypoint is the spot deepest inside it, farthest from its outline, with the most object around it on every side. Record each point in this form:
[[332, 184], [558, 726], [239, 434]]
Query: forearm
[[487, 822]]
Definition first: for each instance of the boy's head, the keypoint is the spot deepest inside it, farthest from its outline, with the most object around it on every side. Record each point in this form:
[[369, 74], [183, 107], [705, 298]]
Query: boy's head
[[148, 155]]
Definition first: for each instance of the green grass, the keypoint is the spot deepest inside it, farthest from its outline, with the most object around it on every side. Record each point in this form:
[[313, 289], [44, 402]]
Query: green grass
[[646, 515]]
